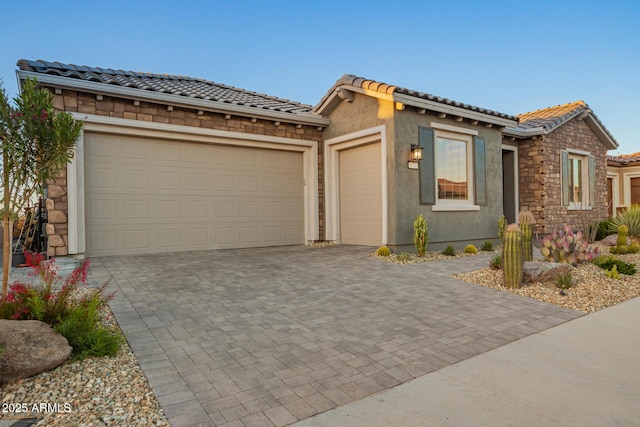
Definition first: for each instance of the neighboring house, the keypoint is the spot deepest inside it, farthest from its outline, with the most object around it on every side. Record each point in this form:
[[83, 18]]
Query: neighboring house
[[172, 163], [562, 165], [623, 181]]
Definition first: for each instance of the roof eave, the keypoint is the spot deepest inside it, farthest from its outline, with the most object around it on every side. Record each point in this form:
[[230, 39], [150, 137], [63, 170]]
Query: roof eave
[[332, 100], [607, 139], [174, 100], [524, 133]]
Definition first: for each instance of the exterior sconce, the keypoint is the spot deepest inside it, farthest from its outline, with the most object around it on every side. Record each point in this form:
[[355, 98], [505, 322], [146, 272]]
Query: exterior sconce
[[415, 156]]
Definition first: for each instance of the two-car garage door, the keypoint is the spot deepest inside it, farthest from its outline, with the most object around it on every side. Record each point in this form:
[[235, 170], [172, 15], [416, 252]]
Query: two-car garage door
[[151, 195]]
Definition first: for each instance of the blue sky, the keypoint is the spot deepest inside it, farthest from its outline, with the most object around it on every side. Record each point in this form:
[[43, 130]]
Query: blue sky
[[510, 56]]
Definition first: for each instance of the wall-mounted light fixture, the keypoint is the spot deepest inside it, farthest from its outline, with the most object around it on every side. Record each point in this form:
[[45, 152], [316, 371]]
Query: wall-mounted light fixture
[[415, 156]]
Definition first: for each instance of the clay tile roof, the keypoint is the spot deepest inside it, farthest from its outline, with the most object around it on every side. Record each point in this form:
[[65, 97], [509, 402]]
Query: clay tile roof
[[625, 159], [552, 117], [361, 82], [164, 83]]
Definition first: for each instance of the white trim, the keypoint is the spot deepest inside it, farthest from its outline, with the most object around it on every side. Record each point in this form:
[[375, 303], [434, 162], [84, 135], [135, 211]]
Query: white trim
[[332, 147], [456, 129], [448, 206], [173, 100], [578, 152], [76, 235], [516, 177], [615, 191], [117, 126], [626, 186]]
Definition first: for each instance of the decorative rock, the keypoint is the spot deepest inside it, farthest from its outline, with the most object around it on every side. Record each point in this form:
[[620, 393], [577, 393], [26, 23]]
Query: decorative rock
[[610, 240], [535, 271], [30, 347]]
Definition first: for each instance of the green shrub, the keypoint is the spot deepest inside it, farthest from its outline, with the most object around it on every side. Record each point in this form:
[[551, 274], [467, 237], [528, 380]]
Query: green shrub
[[449, 251], [487, 246], [630, 218], [603, 230], [420, 235], [470, 249], [496, 262], [404, 257], [59, 303], [564, 280], [613, 273], [383, 251], [606, 262]]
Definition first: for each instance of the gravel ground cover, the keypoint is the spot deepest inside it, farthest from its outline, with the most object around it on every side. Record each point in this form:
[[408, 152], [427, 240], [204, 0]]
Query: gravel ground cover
[[104, 391], [592, 289]]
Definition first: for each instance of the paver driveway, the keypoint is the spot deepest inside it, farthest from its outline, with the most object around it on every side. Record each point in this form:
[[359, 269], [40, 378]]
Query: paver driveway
[[274, 335]]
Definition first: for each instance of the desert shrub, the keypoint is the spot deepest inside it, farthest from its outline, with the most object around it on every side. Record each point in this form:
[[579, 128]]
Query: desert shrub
[[629, 217], [404, 257], [567, 246], [448, 251], [470, 249], [496, 262], [487, 246], [564, 280], [613, 273], [603, 230], [383, 251], [606, 262], [71, 311]]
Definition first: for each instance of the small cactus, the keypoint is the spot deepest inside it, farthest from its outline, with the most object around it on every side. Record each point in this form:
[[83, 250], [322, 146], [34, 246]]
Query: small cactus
[[513, 259], [502, 227], [623, 250], [383, 251], [420, 235], [470, 249], [525, 218], [623, 230], [567, 246]]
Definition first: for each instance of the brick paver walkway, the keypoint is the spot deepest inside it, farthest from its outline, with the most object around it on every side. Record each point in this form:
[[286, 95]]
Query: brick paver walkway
[[262, 337]]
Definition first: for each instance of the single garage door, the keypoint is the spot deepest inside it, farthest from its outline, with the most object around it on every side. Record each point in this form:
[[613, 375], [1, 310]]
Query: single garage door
[[361, 195], [150, 195]]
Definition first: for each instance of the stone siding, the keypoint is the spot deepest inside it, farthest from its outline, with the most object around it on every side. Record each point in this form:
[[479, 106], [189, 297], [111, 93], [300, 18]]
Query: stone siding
[[73, 101], [540, 177]]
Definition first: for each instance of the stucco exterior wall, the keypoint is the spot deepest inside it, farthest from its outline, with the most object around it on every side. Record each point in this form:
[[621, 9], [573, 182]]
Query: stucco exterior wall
[[456, 228], [624, 174], [540, 177], [72, 101]]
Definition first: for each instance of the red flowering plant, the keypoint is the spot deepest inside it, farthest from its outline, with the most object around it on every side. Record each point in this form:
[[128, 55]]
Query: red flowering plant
[[67, 304], [53, 299]]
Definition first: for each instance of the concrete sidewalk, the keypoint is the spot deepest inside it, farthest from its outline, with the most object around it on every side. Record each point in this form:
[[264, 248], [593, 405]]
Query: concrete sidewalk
[[585, 372]]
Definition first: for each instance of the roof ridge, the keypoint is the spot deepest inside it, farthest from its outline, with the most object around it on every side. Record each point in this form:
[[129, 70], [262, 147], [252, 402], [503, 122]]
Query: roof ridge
[[209, 91], [581, 102]]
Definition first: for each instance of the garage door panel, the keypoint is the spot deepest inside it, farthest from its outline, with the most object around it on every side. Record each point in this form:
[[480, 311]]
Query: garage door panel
[[173, 196], [360, 192]]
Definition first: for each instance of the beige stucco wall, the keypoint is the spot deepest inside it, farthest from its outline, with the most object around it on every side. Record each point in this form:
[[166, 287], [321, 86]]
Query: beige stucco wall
[[624, 174]]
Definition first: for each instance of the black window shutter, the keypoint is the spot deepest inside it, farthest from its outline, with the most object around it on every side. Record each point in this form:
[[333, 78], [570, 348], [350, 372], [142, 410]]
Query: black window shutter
[[427, 167], [480, 170]]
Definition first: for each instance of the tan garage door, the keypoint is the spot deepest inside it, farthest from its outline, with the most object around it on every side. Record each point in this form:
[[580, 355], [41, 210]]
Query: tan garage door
[[148, 196], [361, 195]]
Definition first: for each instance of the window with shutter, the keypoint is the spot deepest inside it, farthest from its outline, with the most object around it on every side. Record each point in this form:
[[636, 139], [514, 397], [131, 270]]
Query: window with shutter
[[452, 169], [578, 179]]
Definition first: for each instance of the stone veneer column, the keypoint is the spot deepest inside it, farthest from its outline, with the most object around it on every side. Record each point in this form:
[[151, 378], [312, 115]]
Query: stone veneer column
[[57, 211]]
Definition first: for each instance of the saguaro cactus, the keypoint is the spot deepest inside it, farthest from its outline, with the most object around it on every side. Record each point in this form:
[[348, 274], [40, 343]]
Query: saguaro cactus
[[502, 227], [525, 218], [513, 259]]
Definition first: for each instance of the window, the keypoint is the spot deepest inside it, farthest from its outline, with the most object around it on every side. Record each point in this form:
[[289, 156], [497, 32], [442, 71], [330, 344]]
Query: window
[[578, 179], [452, 170]]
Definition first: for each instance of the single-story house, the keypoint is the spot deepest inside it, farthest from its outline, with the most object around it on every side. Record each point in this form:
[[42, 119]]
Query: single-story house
[[623, 181], [171, 163]]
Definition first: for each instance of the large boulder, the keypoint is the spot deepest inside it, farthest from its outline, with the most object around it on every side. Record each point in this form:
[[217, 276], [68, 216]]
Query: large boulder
[[30, 347], [536, 271], [610, 240]]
